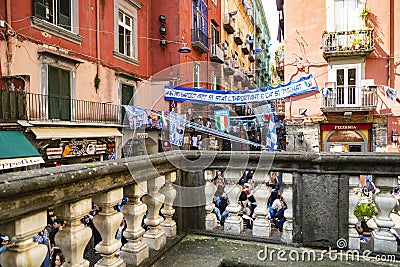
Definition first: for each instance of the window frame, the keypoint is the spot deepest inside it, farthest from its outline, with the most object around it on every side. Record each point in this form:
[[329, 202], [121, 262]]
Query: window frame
[[130, 9], [72, 34]]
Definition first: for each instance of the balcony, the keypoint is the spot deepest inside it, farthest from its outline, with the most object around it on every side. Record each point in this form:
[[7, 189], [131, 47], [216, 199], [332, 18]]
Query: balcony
[[37, 107], [199, 40], [347, 43], [350, 98], [229, 66], [229, 24], [151, 182], [217, 54], [251, 56], [238, 37], [258, 28], [246, 48]]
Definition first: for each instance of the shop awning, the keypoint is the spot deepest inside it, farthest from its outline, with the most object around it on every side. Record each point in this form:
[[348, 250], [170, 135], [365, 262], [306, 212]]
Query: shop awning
[[17, 151], [78, 132]]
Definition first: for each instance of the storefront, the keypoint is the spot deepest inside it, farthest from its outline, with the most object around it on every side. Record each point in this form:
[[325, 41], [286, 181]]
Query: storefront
[[17, 153], [63, 146], [346, 137]]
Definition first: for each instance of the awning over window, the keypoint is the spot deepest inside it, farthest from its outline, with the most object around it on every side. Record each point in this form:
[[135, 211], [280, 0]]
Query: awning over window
[[78, 132], [16, 151]]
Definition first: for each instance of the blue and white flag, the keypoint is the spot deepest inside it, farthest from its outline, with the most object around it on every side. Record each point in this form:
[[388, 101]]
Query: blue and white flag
[[137, 117], [272, 138], [326, 92], [260, 111], [176, 128], [391, 93], [195, 95]]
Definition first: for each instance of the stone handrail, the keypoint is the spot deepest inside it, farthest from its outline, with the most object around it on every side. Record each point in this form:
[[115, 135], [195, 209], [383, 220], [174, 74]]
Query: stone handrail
[[148, 182]]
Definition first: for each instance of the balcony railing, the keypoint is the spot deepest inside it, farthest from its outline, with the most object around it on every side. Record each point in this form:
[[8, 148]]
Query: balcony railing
[[185, 192], [28, 106], [217, 54], [200, 40], [351, 98], [345, 43]]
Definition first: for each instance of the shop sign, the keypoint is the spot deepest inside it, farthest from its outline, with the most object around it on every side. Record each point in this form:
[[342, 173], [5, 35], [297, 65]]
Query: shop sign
[[142, 135], [345, 127], [54, 151], [19, 162]]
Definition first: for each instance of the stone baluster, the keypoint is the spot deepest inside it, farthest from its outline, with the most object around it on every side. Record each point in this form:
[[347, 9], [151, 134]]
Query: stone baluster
[[154, 237], [287, 195], [24, 251], [107, 222], [209, 190], [74, 236], [234, 223], [168, 190], [262, 192], [135, 251], [383, 239], [354, 237]]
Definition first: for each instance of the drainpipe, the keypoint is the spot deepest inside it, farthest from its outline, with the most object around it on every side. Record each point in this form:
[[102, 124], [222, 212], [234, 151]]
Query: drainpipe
[[390, 45], [98, 39], [8, 37]]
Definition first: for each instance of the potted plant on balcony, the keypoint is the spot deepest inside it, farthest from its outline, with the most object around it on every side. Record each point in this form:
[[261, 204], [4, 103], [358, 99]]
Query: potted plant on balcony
[[364, 12], [355, 42]]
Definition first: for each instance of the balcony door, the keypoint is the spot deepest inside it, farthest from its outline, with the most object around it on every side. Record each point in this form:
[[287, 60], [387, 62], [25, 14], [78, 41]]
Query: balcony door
[[127, 93], [347, 15], [59, 94], [348, 80]]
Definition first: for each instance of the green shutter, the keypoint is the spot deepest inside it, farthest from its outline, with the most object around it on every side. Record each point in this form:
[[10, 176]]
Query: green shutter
[[126, 97], [64, 14], [59, 94]]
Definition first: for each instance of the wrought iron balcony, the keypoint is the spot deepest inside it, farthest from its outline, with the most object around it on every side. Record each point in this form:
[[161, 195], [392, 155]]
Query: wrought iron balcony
[[200, 40], [28, 106], [251, 56], [350, 98], [229, 24], [348, 43], [217, 54]]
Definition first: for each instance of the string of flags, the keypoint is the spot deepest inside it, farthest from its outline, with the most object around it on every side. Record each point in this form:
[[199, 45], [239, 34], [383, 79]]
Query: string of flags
[[140, 118]]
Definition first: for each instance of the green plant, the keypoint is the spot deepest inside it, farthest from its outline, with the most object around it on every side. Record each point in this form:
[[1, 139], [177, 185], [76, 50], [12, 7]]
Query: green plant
[[364, 12], [355, 41], [365, 211], [96, 81]]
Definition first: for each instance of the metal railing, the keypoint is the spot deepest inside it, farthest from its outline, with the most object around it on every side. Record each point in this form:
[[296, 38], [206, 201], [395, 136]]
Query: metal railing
[[199, 36], [16, 105], [350, 96], [342, 42]]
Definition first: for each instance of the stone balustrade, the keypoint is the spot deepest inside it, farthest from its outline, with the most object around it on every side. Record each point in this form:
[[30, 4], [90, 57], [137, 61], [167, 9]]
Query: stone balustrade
[[318, 193]]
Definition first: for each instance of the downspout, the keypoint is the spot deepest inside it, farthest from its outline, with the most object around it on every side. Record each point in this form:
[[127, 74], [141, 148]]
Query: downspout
[[390, 45], [8, 37], [97, 43]]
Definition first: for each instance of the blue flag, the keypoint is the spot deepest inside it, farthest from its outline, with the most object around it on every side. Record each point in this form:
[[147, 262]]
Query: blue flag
[[272, 138]]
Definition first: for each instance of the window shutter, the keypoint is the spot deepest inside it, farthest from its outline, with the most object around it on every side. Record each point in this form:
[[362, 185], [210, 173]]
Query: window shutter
[[39, 9]]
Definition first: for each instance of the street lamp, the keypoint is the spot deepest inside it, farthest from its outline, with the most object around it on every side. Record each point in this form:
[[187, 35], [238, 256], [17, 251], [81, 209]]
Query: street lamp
[[395, 137], [184, 49]]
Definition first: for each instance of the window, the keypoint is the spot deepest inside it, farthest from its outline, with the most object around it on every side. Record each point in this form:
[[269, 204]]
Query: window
[[54, 11], [213, 81], [347, 15], [196, 75], [125, 26], [126, 38], [57, 17]]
